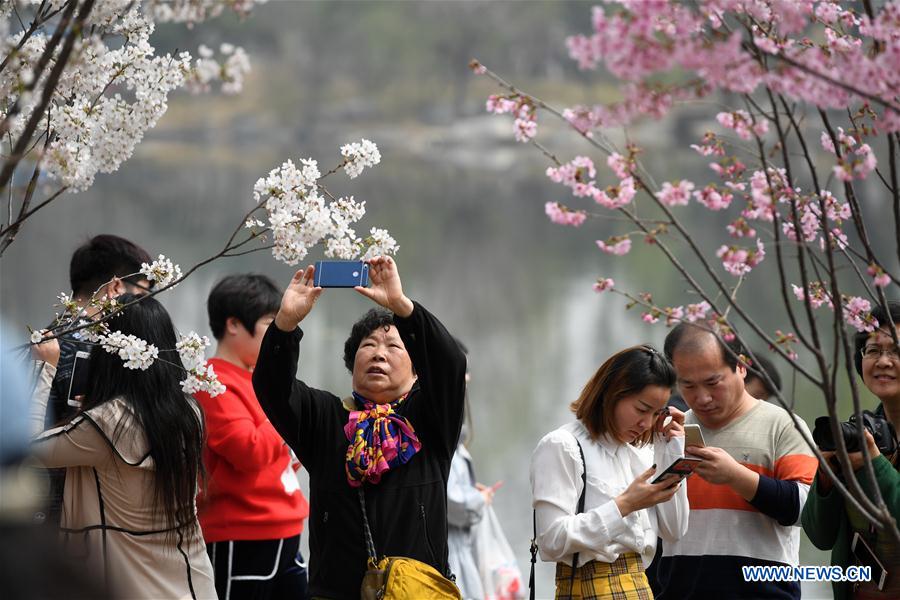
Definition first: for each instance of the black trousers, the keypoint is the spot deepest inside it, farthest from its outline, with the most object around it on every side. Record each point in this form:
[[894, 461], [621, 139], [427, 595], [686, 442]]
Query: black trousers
[[259, 569]]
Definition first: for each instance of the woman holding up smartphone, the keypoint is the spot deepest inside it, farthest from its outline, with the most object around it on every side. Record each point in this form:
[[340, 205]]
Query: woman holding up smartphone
[[596, 513]]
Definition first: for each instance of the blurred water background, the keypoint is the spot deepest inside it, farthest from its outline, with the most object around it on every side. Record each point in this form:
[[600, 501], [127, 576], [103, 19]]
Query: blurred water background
[[464, 201]]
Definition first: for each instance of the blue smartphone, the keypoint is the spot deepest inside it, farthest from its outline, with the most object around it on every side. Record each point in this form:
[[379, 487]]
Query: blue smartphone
[[341, 274]]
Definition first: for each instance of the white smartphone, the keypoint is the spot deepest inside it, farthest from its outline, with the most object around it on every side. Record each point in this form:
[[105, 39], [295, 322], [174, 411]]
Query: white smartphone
[[865, 557], [693, 436], [78, 378]]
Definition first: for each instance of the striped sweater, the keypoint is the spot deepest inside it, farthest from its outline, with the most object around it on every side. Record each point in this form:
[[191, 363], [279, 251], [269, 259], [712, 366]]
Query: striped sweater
[[726, 532]]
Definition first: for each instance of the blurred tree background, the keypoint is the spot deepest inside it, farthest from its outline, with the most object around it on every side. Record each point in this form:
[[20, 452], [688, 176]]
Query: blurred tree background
[[464, 201]]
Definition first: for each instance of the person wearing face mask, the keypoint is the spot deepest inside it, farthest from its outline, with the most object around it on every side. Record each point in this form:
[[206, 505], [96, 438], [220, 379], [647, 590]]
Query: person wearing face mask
[[393, 439], [827, 519], [610, 454]]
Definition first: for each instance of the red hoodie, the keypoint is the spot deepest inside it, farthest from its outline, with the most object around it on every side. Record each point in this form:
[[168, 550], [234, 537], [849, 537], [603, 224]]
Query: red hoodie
[[252, 490]]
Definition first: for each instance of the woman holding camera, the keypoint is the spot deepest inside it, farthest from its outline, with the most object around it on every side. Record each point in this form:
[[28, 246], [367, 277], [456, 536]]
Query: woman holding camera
[[828, 520], [597, 514], [132, 457]]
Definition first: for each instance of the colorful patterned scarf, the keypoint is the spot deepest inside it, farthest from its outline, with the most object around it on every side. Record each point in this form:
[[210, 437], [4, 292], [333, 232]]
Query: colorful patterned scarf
[[380, 440]]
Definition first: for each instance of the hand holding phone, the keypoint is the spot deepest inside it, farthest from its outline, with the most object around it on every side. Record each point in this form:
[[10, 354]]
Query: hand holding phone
[[641, 493], [681, 468]]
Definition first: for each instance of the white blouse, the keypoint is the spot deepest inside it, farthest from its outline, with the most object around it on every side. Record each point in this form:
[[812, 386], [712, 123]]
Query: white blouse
[[600, 532]]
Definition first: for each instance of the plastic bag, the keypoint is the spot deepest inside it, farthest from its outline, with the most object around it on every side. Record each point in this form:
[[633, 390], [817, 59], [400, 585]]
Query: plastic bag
[[500, 575]]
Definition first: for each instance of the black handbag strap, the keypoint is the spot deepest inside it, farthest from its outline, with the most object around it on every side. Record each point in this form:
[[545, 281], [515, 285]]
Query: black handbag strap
[[579, 510], [370, 544]]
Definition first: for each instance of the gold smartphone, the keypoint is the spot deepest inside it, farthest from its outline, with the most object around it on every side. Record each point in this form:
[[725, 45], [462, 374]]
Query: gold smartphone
[[693, 436]]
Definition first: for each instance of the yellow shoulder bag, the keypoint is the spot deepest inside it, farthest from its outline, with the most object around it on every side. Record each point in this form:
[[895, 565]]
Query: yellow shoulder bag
[[400, 578]]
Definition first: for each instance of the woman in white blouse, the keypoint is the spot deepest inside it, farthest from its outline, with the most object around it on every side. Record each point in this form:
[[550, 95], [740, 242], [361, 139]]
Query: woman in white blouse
[[622, 428]]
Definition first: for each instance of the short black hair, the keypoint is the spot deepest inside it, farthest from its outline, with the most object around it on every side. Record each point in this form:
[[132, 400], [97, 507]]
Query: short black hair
[[103, 257], [247, 297], [375, 318], [859, 341], [764, 364], [693, 337]]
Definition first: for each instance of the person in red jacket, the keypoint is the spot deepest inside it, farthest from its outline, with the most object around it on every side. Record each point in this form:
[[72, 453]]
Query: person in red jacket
[[252, 509]]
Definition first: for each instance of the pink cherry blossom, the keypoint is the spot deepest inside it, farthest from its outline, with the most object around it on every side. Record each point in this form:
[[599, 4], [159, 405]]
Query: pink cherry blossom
[[740, 261], [620, 165], [712, 198], [676, 195], [562, 215], [767, 45], [674, 315], [616, 196], [525, 129], [649, 318], [857, 313], [710, 146], [742, 124], [577, 174], [500, 104], [828, 12], [856, 165], [581, 118], [602, 285], [617, 245], [879, 277], [818, 295], [696, 312], [740, 228]]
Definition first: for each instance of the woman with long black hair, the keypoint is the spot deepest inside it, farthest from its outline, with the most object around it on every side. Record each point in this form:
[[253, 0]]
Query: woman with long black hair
[[133, 458]]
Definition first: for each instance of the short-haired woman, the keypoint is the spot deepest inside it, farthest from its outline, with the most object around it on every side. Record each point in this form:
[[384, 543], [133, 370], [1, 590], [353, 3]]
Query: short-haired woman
[[619, 437], [829, 521]]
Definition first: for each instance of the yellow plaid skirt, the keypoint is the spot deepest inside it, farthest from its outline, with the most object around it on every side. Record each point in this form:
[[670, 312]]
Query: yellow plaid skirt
[[623, 579]]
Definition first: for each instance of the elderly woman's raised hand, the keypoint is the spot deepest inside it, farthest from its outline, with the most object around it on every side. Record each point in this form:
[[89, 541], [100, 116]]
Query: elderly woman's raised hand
[[299, 298], [385, 288]]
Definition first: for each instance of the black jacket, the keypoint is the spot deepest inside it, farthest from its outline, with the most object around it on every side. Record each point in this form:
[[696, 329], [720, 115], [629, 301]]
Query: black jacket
[[407, 509]]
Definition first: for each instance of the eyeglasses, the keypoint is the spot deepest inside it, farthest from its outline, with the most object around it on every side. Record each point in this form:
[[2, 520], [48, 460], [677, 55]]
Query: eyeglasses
[[876, 352], [136, 283]]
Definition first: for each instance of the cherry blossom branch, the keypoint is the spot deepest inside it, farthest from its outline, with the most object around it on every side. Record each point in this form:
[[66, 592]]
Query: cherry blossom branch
[[895, 189], [9, 234], [837, 83], [68, 330], [707, 267], [5, 231], [800, 242], [44, 60], [47, 92], [694, 284], [35, 24], [854, 205], [814, 345], [232, 254]]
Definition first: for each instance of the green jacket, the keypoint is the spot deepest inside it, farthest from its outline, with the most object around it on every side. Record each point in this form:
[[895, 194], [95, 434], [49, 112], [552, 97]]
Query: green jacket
[[825, 519]]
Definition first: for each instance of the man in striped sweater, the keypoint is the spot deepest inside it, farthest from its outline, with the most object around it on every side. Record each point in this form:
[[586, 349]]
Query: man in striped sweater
[[747, 494]]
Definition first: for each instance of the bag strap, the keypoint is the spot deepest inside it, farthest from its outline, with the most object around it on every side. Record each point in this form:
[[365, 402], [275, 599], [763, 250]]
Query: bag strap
[[370, 544], [579, 510]]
